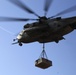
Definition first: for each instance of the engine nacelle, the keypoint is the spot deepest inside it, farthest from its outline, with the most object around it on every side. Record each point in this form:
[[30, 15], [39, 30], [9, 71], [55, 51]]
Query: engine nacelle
[[58, 18]]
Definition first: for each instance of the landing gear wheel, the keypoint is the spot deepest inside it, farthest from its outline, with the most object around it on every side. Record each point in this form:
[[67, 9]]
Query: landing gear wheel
[[14, 39], [20, 44]]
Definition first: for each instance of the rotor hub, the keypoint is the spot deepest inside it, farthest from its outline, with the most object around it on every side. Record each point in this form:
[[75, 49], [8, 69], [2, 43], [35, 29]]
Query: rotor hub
[[43, 19]]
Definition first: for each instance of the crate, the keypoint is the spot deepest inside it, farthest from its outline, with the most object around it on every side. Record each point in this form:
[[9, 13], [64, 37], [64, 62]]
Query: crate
[[43, 63]]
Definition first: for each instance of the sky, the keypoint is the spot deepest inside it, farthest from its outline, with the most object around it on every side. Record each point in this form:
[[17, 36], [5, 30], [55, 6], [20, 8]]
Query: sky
[[16, 60]]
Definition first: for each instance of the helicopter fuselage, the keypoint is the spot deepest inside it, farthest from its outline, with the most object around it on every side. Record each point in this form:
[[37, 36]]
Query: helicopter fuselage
[[51, 30]]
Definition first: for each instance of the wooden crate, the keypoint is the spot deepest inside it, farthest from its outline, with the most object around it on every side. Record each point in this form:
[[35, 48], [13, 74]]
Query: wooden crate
[[43, 63]]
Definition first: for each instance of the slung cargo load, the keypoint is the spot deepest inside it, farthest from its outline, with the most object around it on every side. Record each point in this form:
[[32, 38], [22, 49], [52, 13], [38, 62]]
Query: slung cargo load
[[43, 61]]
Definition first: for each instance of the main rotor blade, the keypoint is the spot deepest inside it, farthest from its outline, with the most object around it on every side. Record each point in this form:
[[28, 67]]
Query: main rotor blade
[[71, 9], [47, 5], [14, 19], [23, 6]]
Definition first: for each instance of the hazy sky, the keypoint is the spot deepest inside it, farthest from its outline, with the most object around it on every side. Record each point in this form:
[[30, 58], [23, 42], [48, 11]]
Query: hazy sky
[[16, 60]]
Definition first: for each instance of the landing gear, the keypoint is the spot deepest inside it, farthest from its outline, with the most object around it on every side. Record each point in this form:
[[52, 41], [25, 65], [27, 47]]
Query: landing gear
[[20, 44], [14, 39]]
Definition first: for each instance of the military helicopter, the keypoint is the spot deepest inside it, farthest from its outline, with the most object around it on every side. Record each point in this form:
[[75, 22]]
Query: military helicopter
[[44, 30]]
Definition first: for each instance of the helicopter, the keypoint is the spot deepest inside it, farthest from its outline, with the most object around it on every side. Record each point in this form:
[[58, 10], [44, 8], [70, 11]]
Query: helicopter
[[45, 29]]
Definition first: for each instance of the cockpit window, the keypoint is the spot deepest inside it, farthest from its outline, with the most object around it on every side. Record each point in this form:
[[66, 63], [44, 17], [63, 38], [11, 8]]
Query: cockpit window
[[27, 26]]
